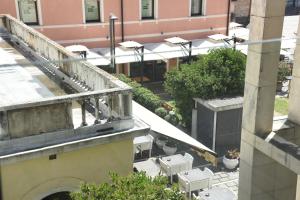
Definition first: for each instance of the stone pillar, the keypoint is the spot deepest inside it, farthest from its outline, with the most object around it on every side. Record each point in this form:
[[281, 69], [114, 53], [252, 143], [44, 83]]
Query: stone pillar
[[256, 169], [294, 98]]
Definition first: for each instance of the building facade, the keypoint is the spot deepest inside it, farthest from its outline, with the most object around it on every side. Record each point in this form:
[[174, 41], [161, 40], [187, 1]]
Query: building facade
[[87, 21]]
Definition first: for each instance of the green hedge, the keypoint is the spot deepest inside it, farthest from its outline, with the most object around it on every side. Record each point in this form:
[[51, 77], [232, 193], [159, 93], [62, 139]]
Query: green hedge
[[142, 95]]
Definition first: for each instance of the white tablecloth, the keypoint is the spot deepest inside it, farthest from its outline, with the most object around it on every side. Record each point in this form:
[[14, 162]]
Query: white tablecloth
[[217, 193], [143, 142], [196, 179], [177, 163]]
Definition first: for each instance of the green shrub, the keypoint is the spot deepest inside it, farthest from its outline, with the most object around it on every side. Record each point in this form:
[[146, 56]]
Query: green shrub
[[142, 95], [146, 98], [283, 71], [162, 112], [172, 118], [219, 74], [132, 187]]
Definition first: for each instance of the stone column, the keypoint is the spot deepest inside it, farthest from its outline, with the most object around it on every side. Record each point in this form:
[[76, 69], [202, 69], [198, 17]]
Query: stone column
[[256, 169], [294, 98]]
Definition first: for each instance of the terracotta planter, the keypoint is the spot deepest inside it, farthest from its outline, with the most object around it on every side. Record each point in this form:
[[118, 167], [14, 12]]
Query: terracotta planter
[[169, 150], [230, 163]]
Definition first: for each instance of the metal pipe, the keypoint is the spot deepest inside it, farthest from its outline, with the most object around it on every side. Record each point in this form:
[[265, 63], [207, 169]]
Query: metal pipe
[[190, 51], [122, 20], [142, 65], [228, 17], [112, 41]]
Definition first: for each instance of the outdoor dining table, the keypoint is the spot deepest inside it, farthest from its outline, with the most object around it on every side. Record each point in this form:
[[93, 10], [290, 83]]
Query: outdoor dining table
[[217, 193], [195, 179], [143, 143], [177, 164]]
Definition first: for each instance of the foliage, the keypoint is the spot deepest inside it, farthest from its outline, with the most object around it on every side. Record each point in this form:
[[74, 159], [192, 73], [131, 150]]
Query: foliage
[[232, 154], [281, 106], [219, 74], [171, 143], [134, 187], [172, 118], [283, 71], [142, 95], [162, 138], [162, 112]]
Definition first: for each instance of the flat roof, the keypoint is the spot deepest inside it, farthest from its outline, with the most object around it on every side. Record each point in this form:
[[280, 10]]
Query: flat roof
[[221, 104], [20, 80]]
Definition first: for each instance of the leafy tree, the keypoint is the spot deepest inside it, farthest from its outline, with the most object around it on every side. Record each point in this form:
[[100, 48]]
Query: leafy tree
[[219, 74], [136, 186]]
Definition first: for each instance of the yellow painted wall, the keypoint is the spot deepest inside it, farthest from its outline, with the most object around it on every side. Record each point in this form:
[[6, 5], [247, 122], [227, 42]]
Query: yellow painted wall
[[37, 178]]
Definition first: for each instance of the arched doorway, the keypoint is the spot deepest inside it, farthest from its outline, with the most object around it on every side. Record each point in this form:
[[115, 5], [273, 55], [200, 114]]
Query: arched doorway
[[58, 196]]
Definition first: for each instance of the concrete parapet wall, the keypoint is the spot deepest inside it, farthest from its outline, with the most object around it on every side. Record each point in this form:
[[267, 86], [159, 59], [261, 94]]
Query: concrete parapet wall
[[41, 119]]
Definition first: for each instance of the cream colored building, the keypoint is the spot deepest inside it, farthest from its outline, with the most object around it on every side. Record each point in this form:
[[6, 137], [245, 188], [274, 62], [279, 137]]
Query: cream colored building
[[51, 140]]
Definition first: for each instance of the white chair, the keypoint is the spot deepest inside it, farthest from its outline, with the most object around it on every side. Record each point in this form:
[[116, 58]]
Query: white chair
[[165, 168], [211, 175], [195, 197], [148, 146], [188, 157], [183, 184]]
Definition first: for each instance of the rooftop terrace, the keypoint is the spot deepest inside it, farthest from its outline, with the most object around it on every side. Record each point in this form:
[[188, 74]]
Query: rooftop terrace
[[48, 92]]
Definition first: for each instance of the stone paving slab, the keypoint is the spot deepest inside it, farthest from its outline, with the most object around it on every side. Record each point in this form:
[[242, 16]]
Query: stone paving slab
[[226, 179]]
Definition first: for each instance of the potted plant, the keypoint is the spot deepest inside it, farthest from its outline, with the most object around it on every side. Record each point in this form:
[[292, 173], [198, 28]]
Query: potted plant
[[231, 159], [170, 147], [161, 141]]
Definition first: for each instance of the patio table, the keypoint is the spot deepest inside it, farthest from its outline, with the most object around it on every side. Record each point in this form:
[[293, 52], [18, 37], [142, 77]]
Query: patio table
[[194, 179], [143, 143], [217, 193], [150, 166], [177, 164]]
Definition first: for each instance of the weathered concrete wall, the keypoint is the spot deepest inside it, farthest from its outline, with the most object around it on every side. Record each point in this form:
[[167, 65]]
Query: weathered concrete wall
[[263, 174], [265, 178], [37, 178], [39, 119]]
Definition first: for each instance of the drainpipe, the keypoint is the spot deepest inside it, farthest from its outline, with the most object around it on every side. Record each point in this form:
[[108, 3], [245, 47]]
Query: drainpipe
[[228, 17], [122, 19], [250, 11]]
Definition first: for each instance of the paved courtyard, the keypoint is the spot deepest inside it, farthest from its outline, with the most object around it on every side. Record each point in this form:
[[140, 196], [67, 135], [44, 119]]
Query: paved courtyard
[[227, 179]]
